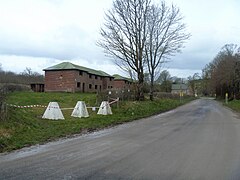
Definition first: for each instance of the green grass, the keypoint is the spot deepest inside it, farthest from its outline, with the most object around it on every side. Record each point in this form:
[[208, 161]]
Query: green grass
[[234, 105], [25, 127]]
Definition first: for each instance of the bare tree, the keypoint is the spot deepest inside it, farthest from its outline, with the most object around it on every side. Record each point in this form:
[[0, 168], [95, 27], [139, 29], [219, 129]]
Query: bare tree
[[223, 73], [166, 36], [124, 36], [27, 72]]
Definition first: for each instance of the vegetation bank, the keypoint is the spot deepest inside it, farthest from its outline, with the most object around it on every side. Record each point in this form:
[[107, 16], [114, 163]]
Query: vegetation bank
[[25, 126]]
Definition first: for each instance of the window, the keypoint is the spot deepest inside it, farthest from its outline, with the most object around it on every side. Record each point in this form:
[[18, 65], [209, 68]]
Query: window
[[80, 73], [90, 86], [78, 84], [95, 86], [90, 76], [96, 77]]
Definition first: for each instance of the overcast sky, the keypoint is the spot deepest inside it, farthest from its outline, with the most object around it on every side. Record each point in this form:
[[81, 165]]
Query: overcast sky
[[42, 33]]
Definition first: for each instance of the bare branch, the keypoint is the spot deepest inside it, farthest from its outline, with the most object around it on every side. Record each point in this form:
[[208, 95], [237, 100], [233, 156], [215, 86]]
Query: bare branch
[[138, 34], [166, 35]]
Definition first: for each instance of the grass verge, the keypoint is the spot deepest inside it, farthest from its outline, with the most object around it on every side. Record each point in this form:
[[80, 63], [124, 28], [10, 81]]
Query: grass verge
[[234, 105], [25, 127]]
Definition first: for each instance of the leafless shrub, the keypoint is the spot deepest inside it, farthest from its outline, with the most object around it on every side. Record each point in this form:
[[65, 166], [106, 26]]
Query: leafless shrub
[[11, 87]]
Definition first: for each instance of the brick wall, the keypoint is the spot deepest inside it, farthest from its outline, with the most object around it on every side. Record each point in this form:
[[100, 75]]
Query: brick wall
[[63, 81], [75, 81], [89, 82], [108, 83], [122, 84], [119, 84]]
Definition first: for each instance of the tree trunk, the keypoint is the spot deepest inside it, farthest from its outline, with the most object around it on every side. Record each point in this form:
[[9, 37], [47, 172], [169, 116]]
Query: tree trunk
[[140, 93], [151, 88]]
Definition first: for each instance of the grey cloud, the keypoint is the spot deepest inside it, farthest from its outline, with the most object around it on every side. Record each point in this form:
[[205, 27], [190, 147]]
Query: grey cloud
[[66, 43]]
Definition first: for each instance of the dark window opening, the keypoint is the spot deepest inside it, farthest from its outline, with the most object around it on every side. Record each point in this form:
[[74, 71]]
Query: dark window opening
[[95, 86], [83, 87], [90, 86], [96, 77], [90, 76], [78, 84], [80, 73]]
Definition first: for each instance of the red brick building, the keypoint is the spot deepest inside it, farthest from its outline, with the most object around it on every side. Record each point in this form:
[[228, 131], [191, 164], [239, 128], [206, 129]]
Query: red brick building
[[121, 82], [68, 77]]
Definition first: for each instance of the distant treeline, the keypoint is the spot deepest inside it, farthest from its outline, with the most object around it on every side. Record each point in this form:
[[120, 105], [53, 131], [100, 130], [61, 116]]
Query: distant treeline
[[10, 81], [222, 75], [26, 77]]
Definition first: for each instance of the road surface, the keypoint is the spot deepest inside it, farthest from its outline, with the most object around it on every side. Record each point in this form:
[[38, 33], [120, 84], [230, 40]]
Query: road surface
[[200, 140]]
